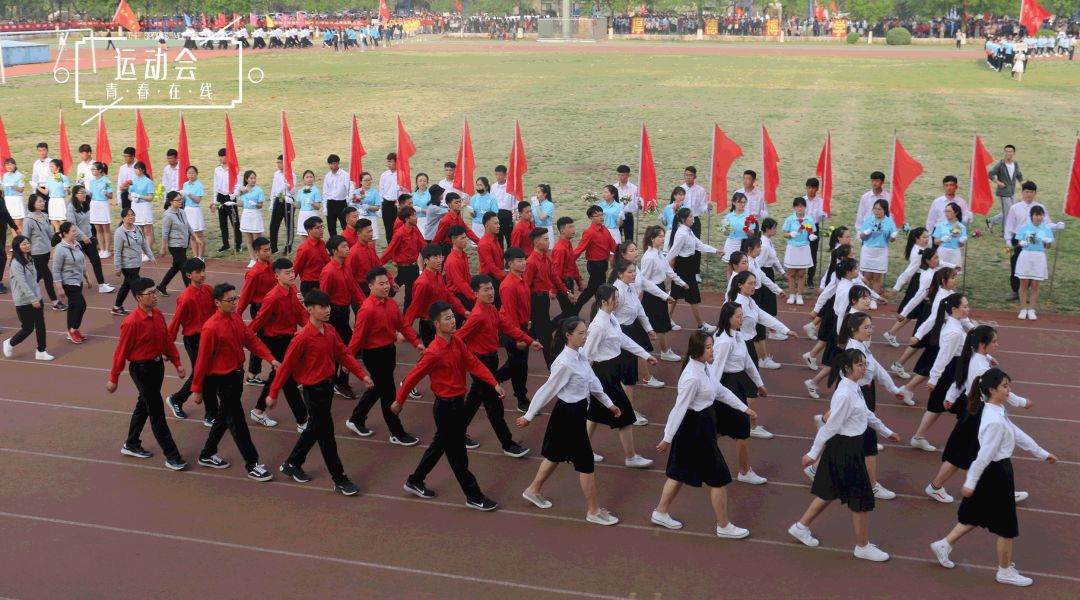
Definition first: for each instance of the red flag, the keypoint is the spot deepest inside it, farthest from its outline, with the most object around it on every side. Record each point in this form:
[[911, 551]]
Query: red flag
[[253, 19], [183, 157], [457, 7], [518, 167], [905, 169], [65, 150], [356, 155], [982, 198], [101, 145], [724, 153], [301, 19], [230, 156], [222, 21], [204, 19], [647, 172], [384, 16], [5, 150], [824, 171], [288, 152], [405, 150], [1032, 15], [466, 164], [125, 17], [770, 167], [1072, 194], [142, 144]]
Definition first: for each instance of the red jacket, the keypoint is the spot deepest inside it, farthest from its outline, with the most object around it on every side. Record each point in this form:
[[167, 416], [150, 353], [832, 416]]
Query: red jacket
[[405, 248], [539, 276], [363, 258], [448, 221], [428, 289], [335, 281], [490, 253], [596, 242], [563, 262], [194, 306], [143, 337], [514, 295], [350, 236], [281, 313], [221, 347], [312, 357], [377, 324], [520, 236], [456, 268], [446, 362], [480, 332], [257, 282], [311, 256]]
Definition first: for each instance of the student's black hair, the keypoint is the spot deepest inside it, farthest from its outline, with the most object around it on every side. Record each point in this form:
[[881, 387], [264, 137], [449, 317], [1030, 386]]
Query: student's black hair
[[451, 197], [751, 173], [305, 173], [104, 168], [695, 346], [449, 165], [87, 148], [130, 150], [651, 233], [333, 243], [141, 284], [593, 210], [567, 327], [749, 243], [980, 336], [913, 236], [311, 222], [956, 209], [173, 195], [834, 237], [884, 204], [348, 211], [798, 201], [678, 191], [736, 283], [735, 198], [605, 292], [940, 277], [60, 165], [736, 257], [1037, 210], [437, 308], [46, 146], [513, 253], [536, 233], [981, 386], [926, 255], [83, 206], [845, 360], [479, 280], [316, 297], [220, 152], [813, 182], [123, 212], [280, 264], [168, 153], [770, 223], [1007, 146], [361, 224], [402, 198], [219, 290], [404, 213], [500, 168], [521, 206], [622, 169], [259, 242], [431, 251], [851, 323], [622, 266], [948, 179], [546, 189], [487, 184], [194, 264], [691, 168], [455, 231], [1029, 185], [17, 254], [946, 307], [391, 156], [727, 311], [9, 161], [845, 266], [489, 215], [877, 175], [614, 191], [373, 274], [680, 216], [559, 224], [65, 227], [333, 158]]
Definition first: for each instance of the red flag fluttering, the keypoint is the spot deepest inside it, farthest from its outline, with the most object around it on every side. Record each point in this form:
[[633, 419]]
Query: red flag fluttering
[[183, 156], [125, 17], [142, 145], [824, 171], [5, 150], [466, 164], [1072, 195], [770, 166], [515, 171], [231, 161], [982, 197], [724, 153], [356, 155], [288, 152], [905, 170], [65, 149], [647, 172], [101, 145], [1032, 15], [405, 150]]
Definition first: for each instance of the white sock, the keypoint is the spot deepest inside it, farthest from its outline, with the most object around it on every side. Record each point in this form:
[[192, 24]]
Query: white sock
[[800, 526]]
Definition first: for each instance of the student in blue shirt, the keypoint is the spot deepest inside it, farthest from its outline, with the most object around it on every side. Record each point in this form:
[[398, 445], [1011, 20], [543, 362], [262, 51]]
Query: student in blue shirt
[[56, 190], [736, 221], [367, 200], [876, 233], [250, 197], [421, 197], [141, 194], [1034, 238], [481, 202], [613, 211], [543, 209], [15, 184], [951, 234], [193, 193], [667, 217], [309, 199], [101, 199], [799, 229]]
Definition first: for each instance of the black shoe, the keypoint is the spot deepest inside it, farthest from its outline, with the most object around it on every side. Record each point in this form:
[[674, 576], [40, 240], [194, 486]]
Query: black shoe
[[176, 408], [1014, 296], [259, 473], [516, 450], [298, 474], [404, 440], [346, 488], [162, 292], [523, 406], [359, 430], [419, 489], [470, 443], [120, 312], [223, 248], [255, 380], [136, 451], [415, 394], [345, 391], [214, 462], [176, 464], [208, 423], [484, 504]]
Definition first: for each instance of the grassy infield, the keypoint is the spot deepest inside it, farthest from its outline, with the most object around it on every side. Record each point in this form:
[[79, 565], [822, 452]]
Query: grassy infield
[[580, 115]]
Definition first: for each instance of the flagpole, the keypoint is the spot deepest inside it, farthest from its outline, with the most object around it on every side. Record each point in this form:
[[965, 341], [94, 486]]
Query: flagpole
[[971, 193], [641, 209], [892, 182], [1057, 244], [825, 172]]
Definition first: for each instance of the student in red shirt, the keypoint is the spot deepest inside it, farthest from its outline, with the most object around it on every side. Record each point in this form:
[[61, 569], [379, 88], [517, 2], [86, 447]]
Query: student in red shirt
[[456, 267], [430, 287], [220, 370], [451, 219], [311, 256], [311, 361], [481, 335], [564, 263], [515, 307], [258, 280], [350, 231], [490, 253], [543, 285], [404, 252], [193, 307], [378, 325], [446, 360], [403, 201], [343, 292], [598, 245], [520, 235], [363, 258], [280, 315], [144, 340]]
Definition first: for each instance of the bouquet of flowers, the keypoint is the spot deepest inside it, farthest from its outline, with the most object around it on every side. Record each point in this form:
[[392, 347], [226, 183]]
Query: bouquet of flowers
[[589, 198], [955, 232], [159, 192], [124, 186], [725, 228], [976, 233], [280, 197], [829, 231], [57, 177], [1031, 238], [624, 199], [650, 208], [750, 224]]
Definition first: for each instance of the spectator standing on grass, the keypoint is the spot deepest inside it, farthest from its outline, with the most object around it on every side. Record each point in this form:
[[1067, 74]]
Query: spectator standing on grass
[[1005, 174]]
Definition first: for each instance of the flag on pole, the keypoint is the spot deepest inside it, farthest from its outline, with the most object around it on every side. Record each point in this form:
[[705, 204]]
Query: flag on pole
[[204, 20], [269, 22], [457, 7], [1032, 15], [125, 17], [466, 164], [222, 21], [724, 153], [183, 156], [301, 19], [5, 150], [356, 155], [982, 198], [405, 150], [253, 19], [384, 15], [770, 166], [1072, 192], [518, 167], [101, 144], [288, 152], [824, 171], [65, 149], [905, 169], [646, 172], [142, 144], [230, 156]]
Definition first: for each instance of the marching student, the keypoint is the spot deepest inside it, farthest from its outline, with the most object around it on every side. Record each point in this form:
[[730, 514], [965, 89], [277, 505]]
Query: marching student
[[988, 489], [343, 291], [430, 287], [282, 207], [799, 230], [684, 245], [519, 237], [219, 371], [918, 240], [944, 343], [768, 260], [481, 203], [597, 246], [656, 271], [740, 222], [193, 192], [735, 370], [26, 295], [404, 251], [690, 434], [226, 207], [69, 270], [566, 439], [56, 189], [916, 303], [311, 361], [311, 255], [308, 200], [143, 343], [378, 323], [544, 285], [251, 197], [456, 267], [446, 360], [942, 284], [129, 248], [193, 307], [842, 472], [37, 230], [506, 203], [490, 254], [79, 212], [363, 257], [875, 193], [936, 214], [876, 233], [481, 335], [258, 280], [452, 219], [352, 217], [175, 234], [847, 297], [434, 212], [765, 291], [1034, 238], [564, 265], [635, 323], [950, 234], [141, 192], [516, 304], [389, 192]]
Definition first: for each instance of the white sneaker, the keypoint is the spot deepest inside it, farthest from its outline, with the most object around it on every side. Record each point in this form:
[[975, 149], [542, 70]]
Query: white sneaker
[[8, 349], [670, 356], [895, 343], [803, 534], [105, 288], [922, 444], [768, 363], [761, 433], [941, 550], [251, 263], [1031, 317], [791, 299], [898, 370], [731, 531], [819, 421], [710, 329], [638, 461], [811, 472], [938, 494], [880, 448], [602, 518], [675, 326], [871, 552], [263, 419], [811, 362], [777, 336], [873, 305], [145, 258], [1020, 496], [752, 478], [1010, 576], [537, 499], [301, 427], [883, 493], [1023, 314], [811, 389], [653, 383], [640, 420], [810, 330], [799, 299], [665, 520], [909, 398], [103, 254], [596, 458], [43, 356]]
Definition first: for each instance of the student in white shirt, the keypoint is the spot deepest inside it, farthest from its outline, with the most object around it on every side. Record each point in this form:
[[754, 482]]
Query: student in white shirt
[[936, 213], [989, 501], [822, 321], [228, 215], [943, 344], [848, 297], [656, 270], [697, 200], [740, 261], [690, 434], [632, 317], [842, 472], [389, 190], [506, 203], [566, 439], [915, 305], [755, 197], [815, 209], [918, 240], [335, 193], [942, 284], [866, 202], [628, 195], [40, 173], [170, 174], [447, 182], [82, 170], [1018, 216], [684, 246]]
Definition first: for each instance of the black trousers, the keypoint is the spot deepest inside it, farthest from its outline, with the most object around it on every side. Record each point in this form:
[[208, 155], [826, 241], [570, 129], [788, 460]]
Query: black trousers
[[125, 198], [32, 320], [318, 399], [406, 277], [380, 363], [506, 226], [566, 307], [41, 264], [179, 255], [278, 345], [1014, 281], [628, 226], [227, 389], [282, 212], [335, 215], [696, 228], [91, 251], [812, 271], [191, 346], [254, 362], [130, 275], [339, 320], [228, 217], [148, 375], [389, 215], [516, 368], [540, 313], [426, 331], [3, 249], [482, 393], [307, 286], [76, 305], [449, 440], [597, 270]]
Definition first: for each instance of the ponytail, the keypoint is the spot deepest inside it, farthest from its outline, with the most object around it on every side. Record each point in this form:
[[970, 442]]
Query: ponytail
[[851, 323], [565, 328], [736, 283], [838, 253], [844, 361], [680, 216], [913, 236], [980, 388], [727, 311], [940, 276], [948, 305], [927, 254], [980, 336]]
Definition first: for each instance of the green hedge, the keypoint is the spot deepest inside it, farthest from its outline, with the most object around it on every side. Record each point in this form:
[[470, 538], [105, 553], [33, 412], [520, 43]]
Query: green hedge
[[853, 38], [1046, 33], [898, 36]]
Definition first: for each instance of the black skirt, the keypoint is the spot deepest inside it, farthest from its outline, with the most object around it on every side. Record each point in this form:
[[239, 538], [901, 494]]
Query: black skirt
[[608, 374], [730, 422], [751, 350], [993, 505], [628, 367], [566, 438], [687, 270], [764, 297], [870, 438], [926, 360], [842, 474], [963, 445], [936, 402], [827, 328], [694, 457], [656, 309]]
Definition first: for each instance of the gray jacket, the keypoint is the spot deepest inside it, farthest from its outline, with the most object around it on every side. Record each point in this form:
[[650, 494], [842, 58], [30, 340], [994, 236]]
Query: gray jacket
[[68, 264], [1001, 173], [24, 284], [40, 234], [434, 217], [129, 248], [81, 221], [174, 229]]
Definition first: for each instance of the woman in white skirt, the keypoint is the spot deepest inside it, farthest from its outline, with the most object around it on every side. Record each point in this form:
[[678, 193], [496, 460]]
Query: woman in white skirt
[[14, 183], [1035, 237], [101, 200], [141, 193], [193, 193], [250, 197], [367, 200], [309, 199], [690, 434], [420, 198], [989, 499], [951, 234], [741, 224], [56, 189], [878, 231], [575, 385], [799, 230]]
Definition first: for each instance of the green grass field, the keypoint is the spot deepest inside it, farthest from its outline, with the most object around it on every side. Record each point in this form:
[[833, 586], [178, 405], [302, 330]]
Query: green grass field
[[580, 114]]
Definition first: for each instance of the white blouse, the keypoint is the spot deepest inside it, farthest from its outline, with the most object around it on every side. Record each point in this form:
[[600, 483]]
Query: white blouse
[[926, 277], [760, 278], [655, 270], [730, 356], [697, 391], [874, 371], [950, 344], [606, 340], [979, 364], [914, 260], [629, 307], [849, 416], [998, 437], [928, 324], [752, 315], [686, 244], [768, 257], [571, 380]]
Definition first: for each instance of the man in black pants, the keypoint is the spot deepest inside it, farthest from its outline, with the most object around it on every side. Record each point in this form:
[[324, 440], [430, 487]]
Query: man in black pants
[[228, 216], [388, 189], [506, 211], [143, 342], [335, 192], [275, 323], [597, 245], [283, 208], [194, 306], [515, 309]]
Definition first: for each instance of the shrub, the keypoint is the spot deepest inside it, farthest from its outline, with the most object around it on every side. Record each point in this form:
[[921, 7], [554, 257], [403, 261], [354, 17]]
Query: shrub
[[898, 36], [1046, 33], [853, 38]]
